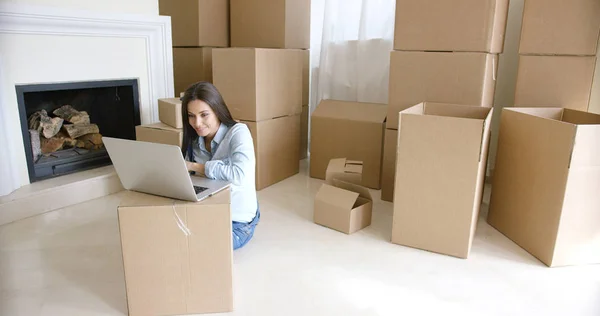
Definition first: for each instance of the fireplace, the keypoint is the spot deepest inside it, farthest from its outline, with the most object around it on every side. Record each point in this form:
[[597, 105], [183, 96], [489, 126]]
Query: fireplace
[[62, 123]]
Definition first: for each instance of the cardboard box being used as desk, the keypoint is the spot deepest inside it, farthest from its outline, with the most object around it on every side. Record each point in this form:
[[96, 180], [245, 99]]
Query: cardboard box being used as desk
[[457, 78], [546, 184], [440, 172], [177, 255], [197, 22], [556, 81], [557, 27], [270, 23], [345, 170], [458, 25], [348, 129], [276, 147], [169, 112], [159, 133], [259, 84], [343, 206], [190, 65]]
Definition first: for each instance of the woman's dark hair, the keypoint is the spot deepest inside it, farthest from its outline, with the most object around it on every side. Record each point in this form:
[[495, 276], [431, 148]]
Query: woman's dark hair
[[208, 93]]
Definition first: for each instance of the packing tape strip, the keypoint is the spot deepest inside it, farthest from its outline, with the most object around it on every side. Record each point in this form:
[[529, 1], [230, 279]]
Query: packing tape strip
[[180, 223]]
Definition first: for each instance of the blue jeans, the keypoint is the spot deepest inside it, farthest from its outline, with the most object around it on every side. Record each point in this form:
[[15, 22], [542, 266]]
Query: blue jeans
[[243, 232]]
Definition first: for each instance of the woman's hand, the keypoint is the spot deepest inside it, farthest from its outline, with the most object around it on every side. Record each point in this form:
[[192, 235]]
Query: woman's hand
[[196, 167]]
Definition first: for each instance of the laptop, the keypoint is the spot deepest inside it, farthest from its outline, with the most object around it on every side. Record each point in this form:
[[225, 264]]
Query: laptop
[[158, 169]]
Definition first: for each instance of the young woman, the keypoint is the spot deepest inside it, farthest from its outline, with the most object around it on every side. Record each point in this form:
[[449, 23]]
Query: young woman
[[217, 147]]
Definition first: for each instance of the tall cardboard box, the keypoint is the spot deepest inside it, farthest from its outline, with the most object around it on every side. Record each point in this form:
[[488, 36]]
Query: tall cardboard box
[[270, 23], [304, 132], [177, 255], [159, 133], [259, 84], [557, 27], [276, 146], [457, 78], [458, 25], [546, 184], [348, 129], [197, 22], [388, 167], [343, 206], [190, 65], [440, 173], [169, 112], [559, 81]]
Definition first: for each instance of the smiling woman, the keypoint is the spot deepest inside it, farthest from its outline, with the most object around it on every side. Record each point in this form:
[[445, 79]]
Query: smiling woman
[[217, 147]]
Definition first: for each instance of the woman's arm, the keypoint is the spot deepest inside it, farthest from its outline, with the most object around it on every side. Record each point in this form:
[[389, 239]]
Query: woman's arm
[[241, 159], [198, 168]]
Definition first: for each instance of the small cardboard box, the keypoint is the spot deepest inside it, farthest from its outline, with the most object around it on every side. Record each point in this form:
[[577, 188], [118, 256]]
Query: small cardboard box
[[159, 133], [546, 184], [458, 25], [457, 78], [177, 255], [388, 167], [348, 129], [440, 173], [197, 22], [345, 170], [190, 65], [557, 27], [304, 133], [558, 81], [276, 147], [169, 112], [270, 24], [343, 206], [259, 84]]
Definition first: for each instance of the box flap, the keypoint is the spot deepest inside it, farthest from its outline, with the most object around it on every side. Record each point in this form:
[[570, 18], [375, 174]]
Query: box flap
[[354, 111], [173, 101], [135, 199], [580, 117], [552, 113], [337, 196], [161, 126], [362, 191], [455, 110], [353, 168]]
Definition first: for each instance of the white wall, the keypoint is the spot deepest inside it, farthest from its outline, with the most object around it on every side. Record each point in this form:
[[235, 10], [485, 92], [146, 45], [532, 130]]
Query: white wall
[[116, 6]]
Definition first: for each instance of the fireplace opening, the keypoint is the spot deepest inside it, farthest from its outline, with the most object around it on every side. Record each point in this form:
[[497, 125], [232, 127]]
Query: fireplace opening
[[63, 123]]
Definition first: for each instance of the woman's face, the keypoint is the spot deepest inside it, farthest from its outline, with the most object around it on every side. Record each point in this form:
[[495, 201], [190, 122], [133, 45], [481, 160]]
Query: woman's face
[[203, 119]]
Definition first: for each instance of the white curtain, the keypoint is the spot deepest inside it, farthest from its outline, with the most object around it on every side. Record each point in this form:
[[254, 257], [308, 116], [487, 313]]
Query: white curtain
[[9, 180], [351, 42]]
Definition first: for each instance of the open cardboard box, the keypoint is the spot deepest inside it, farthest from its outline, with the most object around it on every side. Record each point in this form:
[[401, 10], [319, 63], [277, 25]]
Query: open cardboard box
[[343, 206], [345, 170], [440, 173], [546, 186]]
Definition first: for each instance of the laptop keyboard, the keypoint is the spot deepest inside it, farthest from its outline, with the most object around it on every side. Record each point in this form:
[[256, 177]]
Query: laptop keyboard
[[199, 189]]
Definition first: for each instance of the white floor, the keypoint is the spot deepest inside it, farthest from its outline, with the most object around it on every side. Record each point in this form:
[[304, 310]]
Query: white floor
[[68, 262]]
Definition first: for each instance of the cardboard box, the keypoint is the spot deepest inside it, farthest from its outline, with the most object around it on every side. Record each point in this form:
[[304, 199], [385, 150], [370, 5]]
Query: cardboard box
[[305, 77], [304, 133], [457, 78], [556, 27], [276, 147], [388, 167], [169, 112], [440, 173], [343, 206], [348, 129], [459, 25], [270, 23], [177, 255], [159, 133], [190, 65], [259, 84], [546, 184], [344, 170], [197, 22], [559, 81]]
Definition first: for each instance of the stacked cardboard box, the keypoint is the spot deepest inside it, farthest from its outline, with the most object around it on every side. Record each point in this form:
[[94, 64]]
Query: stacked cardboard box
[[197, 26], [262, 79], [557, 53], [170, 129], [444, 52]]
